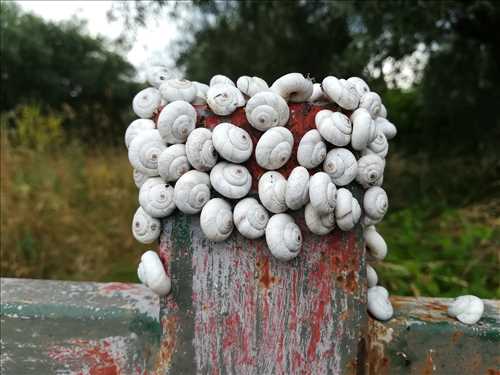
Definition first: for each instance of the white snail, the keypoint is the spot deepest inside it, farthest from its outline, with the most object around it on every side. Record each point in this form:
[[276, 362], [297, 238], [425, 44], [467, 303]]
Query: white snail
[[379, 304], [157, 198], [347, 210], [251, 85], [371, 276], [146, 102], [144, 151], [272, 192], [267, 109], [152, 274], [274, 148], [370, 170], [250, 218], [219, 78], [201, 93], [312, 150], [173, 163], [297, 188], [145, 228], [200, 150], [232, 142], [178, 89], [386, 127], [192, 191], [157, 74], [375, 243], [293, 87], [341, 92], [372, 103], [341, 166], [317, 94], [139, 178], [360, 85], [319, 224], [363, 129], [223, 98], [467, 309], [136, 127], [283, 237], [231, 180], [216, 219], [176, 121], [383, 111], [335, 127], [322, 193], [375, 204], [379, 146]]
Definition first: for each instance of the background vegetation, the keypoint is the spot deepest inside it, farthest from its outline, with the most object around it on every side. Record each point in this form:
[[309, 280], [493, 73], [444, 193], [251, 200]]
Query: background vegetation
[[67, 192]]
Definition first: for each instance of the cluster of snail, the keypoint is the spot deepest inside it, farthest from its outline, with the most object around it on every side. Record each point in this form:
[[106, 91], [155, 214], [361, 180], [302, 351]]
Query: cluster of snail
[[179, 165]]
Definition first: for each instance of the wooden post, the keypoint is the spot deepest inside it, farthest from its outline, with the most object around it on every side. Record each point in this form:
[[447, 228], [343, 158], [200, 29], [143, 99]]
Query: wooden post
[[234, 309]]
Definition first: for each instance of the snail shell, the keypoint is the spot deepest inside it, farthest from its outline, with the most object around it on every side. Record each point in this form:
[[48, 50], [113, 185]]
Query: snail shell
[[371, 276], [297, 188], [372, 103], [231, 180], [146, 102], [173, 163], [379, 146], [293, 87], [201, 93], [178, 89], [250, 218], [317, 94], [272, 192], [319, 224], [146, 229], [176, 121], [136, 127], [335, 127], [283, 237], [347, 210], [251, 85], [157, 74], [232, 142], [192, 191], [153, 275], [375, 204], [363, 129], [221, 79], [386, 127], [274, 148], [322, 193], [383, 111], [157, 198], [370, 170], [139, 178], [216, 220], [467, 309], [341, 92], [375, 243], [200, 150], [312, 150], [223, 98], [267, 109], [144, 151], [341, 166], [379, 304], [359, 85]]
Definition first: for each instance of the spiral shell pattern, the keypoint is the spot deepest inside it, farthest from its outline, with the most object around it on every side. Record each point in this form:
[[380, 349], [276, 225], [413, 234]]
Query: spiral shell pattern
[[231, 180], [297, 188], [152, 273], [200, 150], [266, 110], [319, 224], [312, 150], [223, 99], [293, 87], [370, 170], [379, 146], [363, 129], [216, 220], [375, 205], [139, 178], [178, 89], [341, 166], [347, 210], [341, 92], [251, 85], [272, 192], [192, 191], [335, 127], [176, 121], [221, 79], [201, 93], [157, 74], [375, 243], [283, 237], [274, 148], [322, 193], [250, 218], [146, 102], [157, 198], [232, 142], [136, 127], [372, 103], [386, 127], [144, 151], [173, 163], [360, 85], [145, 228]]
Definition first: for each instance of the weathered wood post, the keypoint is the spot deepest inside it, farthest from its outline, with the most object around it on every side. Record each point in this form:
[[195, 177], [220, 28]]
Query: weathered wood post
[[234, 309]]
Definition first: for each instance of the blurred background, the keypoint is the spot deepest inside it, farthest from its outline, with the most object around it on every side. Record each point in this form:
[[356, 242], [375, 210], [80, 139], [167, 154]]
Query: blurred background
[[69, 71]]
